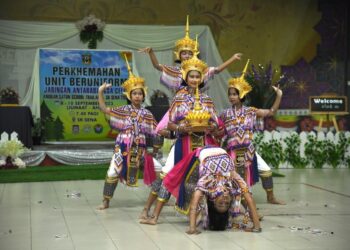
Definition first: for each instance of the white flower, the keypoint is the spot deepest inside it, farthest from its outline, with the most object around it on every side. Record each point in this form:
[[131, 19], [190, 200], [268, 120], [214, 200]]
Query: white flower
[[12, 148], [90, 20], [19, 163]]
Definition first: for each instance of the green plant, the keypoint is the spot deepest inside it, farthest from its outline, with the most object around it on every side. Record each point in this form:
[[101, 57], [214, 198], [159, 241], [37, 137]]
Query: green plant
[[316, 151], [262, 78], [257, 140], [271, 152], [292, 152], [347, 161], [335, 153], [343, 145], [38, 127]]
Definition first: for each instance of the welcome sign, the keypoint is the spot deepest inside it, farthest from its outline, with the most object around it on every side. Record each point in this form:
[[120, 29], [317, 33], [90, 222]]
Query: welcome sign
[[69, 82], [328, 104]]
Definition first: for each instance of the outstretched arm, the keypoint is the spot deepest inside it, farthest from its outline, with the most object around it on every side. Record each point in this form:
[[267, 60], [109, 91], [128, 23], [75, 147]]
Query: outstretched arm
[[197, 195], [223, 66], [272, 111], [101, 99], [153, 57]]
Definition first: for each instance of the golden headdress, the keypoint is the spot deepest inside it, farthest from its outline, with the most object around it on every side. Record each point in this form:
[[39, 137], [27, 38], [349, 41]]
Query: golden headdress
[[194, 64], [133, 82], [185, 43], [240, 83]]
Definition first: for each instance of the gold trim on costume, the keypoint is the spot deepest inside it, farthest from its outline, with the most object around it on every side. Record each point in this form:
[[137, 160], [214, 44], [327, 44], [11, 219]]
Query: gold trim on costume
[[111, 179], [265, 174], [162, 200]]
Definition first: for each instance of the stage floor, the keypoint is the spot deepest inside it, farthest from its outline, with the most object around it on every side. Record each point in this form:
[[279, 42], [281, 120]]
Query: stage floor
[[52, 215]]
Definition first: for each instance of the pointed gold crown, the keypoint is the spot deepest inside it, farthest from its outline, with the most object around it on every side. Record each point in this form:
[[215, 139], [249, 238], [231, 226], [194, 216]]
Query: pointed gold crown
[[194, 64], [185, 43], [198, 118], [240, 83], [133, 82]]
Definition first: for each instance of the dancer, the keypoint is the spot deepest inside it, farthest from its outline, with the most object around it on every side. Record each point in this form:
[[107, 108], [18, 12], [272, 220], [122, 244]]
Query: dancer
[[187, 138], [134, 123], [215, 179], [185, 48], [265, 174], [239, 122]]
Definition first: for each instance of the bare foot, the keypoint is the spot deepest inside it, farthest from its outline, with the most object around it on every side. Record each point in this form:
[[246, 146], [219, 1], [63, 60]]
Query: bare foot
[[149, 221], [260, 216], [274, 201], [144, 214], [253, 230], [193, 231], [104, 205]]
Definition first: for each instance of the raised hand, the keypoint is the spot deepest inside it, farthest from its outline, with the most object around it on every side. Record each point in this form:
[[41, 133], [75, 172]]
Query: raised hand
[[277, 90], [146, 50], [104, 86], [237, 56]]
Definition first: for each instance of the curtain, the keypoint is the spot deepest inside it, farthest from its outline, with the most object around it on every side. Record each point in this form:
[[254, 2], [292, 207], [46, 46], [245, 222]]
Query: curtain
[[20, 40]]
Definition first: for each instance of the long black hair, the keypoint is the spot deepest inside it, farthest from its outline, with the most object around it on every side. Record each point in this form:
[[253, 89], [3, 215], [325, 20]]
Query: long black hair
[[217, 221]]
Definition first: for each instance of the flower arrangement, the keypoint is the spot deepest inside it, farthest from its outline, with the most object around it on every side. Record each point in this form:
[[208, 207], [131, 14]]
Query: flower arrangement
[[262, 78], [9, 96], [91, 30], [11, 149]]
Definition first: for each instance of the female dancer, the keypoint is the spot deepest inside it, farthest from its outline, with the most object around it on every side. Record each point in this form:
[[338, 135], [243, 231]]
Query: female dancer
[[134, 123], [239, 121], [217, 181], [187, 139], [185, 49]]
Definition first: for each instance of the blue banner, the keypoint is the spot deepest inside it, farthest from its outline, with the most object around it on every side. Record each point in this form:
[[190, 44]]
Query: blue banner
[[69, 82]]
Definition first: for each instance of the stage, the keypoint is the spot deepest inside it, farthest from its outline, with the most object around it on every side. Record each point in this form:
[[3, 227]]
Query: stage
[[63, 215], [69, 153]]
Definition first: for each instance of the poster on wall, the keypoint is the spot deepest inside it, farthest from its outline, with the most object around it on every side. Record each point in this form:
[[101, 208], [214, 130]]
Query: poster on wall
[[69, 82]]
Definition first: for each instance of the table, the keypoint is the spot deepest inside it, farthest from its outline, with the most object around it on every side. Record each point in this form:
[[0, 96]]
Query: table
[[20, 120]]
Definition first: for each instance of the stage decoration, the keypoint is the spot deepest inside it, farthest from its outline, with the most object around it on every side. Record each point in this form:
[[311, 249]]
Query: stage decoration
[[91, 30], [9, 96], [10, 150], [262, 78]]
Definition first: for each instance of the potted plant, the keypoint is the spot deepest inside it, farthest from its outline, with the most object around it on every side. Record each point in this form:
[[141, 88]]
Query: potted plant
[[9, 96], [91, 30], [9, 154], [38, 131]]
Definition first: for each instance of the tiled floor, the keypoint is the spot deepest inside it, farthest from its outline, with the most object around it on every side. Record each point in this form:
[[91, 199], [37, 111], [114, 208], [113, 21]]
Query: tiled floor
[[46, 216]]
